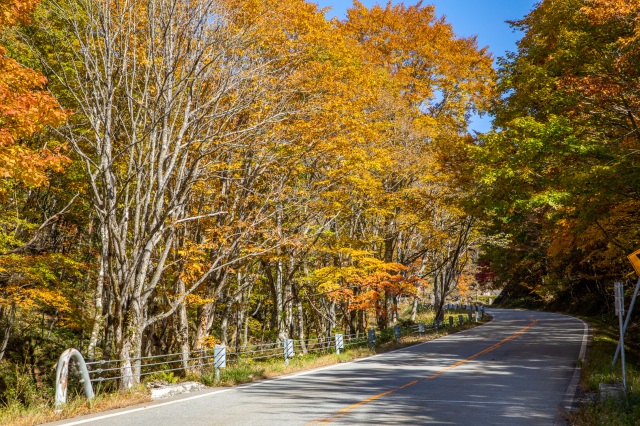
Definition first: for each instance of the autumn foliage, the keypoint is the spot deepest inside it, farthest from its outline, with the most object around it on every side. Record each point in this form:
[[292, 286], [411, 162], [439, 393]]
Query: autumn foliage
[[25, 108], [559, 174], [238, 171]]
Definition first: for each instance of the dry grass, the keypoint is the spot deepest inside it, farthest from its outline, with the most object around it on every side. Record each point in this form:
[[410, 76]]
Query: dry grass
[[20, 416]]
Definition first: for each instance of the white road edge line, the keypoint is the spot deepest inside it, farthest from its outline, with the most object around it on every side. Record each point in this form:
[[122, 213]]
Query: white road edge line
[[570, 394], [190, 398], [289, 376]]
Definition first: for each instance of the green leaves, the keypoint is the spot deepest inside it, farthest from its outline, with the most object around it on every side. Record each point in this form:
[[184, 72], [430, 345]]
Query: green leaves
[[563, 157]]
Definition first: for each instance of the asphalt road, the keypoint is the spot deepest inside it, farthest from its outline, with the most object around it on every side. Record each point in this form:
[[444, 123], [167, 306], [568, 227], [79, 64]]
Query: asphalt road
[[519, 369]]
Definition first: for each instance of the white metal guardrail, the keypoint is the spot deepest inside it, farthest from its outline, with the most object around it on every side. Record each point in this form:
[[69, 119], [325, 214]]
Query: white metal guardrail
[[62, 375], [219, 356]]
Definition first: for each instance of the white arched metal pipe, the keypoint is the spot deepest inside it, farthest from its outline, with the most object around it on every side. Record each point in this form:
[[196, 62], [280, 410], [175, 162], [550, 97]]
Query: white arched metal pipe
[[62, 376]]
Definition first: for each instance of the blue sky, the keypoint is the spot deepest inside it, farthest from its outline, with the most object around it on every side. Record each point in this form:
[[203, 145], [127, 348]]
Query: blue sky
[[482, 18]]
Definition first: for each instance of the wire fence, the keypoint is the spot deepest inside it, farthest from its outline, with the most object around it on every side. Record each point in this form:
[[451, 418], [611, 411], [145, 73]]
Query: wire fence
[[112, 370]]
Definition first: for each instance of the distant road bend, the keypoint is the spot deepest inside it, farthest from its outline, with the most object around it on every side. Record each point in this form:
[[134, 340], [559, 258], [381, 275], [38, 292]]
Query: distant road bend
[[519, 369]]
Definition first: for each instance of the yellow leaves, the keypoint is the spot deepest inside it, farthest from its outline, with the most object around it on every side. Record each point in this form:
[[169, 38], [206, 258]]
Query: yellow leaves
[[197, 300], [209, 341], [39, 283], [359, 278], [193, 258], [601, 11], [436, 73]]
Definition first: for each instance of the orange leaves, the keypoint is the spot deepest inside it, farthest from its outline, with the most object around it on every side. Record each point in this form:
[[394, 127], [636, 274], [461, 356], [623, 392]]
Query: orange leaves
[[465, 281], [360, 279], [16, 11], [25, 108], [602, 11], [437, 73]]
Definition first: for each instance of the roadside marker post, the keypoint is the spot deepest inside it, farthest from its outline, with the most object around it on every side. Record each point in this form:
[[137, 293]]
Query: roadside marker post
[[396, 332], [619, 301], [339, 343], [626, 322], [372, 337], [288, 350], [450, 322], [420, 328], [219, 359], [460, 319]]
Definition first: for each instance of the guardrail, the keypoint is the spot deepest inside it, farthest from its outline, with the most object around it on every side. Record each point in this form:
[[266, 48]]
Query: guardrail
[[219, 356]]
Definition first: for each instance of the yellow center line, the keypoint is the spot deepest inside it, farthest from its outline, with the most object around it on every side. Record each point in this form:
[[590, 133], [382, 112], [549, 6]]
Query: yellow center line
[[344, 411]]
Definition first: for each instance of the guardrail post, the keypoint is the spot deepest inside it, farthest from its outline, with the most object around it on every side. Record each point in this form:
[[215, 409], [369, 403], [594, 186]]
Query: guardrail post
[[62, 376], [396, 332], [460, 319], [420, 328], [450, 322]]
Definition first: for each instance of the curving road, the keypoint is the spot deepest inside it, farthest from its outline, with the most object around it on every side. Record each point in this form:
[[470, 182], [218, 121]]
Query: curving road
[[519, 369]]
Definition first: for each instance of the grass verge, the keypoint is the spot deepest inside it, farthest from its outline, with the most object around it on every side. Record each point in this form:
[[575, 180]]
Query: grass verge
[[234, 374], [597, 369], [249, 371], [18, 415]]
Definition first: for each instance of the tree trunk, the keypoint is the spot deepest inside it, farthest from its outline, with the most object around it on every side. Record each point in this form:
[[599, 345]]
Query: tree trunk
[[183, 328], [414, 309], [224, 325], [102, 276], [301, 319], [131, 348], [7, 320]]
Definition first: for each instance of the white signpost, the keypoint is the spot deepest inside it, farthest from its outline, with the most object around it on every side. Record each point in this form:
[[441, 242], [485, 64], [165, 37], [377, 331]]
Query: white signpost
[[619, 302], [219, 359], [288, 350], [339, 343], [634, 258]]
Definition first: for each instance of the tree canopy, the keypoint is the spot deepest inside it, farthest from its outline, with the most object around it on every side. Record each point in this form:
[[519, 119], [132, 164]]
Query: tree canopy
[[175, 174]]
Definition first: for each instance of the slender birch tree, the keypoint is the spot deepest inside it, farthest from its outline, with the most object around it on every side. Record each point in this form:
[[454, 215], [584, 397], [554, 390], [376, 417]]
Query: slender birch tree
[[164, 91]]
